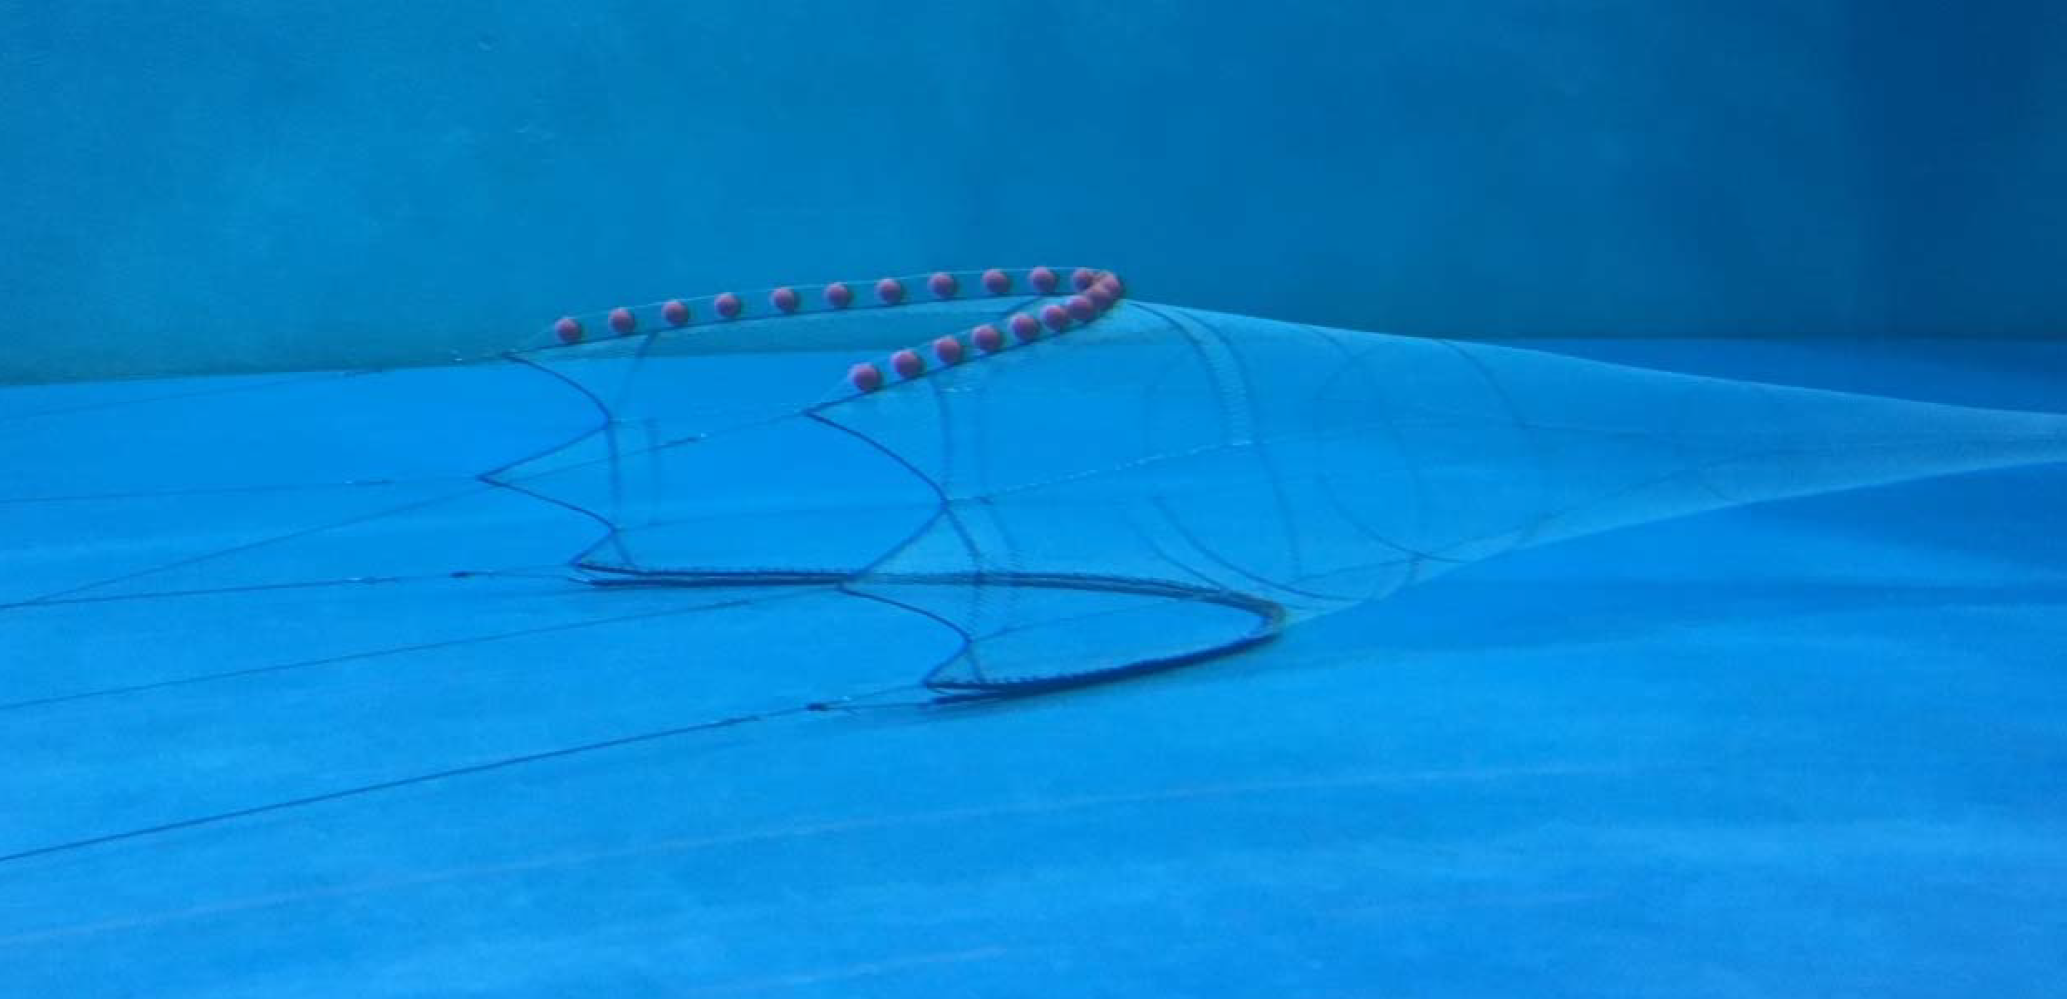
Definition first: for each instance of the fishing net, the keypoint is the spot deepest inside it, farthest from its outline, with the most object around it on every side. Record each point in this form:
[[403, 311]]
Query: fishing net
[[699, 514], [1122, 487]]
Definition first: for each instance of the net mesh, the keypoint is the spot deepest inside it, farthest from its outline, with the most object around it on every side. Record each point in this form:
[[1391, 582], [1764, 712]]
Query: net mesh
[[615, 535], [1158, 485]]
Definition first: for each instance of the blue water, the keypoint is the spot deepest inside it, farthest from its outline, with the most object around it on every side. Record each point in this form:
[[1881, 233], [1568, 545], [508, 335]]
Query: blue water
[[1813, 747], [227, 184]]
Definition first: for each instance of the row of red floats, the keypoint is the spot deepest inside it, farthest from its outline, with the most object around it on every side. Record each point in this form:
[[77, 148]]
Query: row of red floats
[[1095, 292]]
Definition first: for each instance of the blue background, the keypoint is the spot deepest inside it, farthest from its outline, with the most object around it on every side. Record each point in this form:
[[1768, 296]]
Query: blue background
[[216, 185]]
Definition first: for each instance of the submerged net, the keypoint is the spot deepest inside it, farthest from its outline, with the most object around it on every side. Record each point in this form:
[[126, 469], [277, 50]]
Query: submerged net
[[1122, 487], [691, 515], [1039, 516]]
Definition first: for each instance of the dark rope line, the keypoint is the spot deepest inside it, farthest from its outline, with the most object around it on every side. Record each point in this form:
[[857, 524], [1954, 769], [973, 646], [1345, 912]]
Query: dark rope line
[[232, 490], [1270, 615], [513, 572], [295, 535], [477, 486], [175, 396], [468, 770], [347, 657]]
